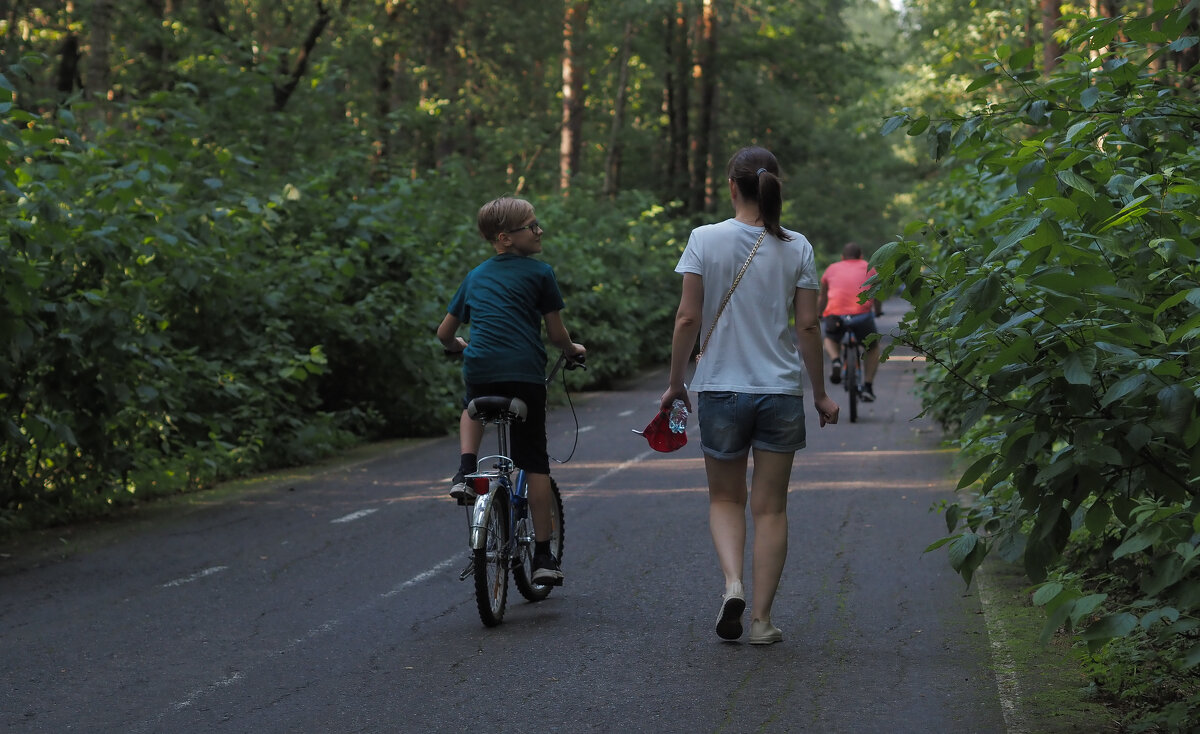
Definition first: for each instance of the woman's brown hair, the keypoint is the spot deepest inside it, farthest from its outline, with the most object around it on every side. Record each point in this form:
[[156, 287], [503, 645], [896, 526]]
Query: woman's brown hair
[[756, 173]]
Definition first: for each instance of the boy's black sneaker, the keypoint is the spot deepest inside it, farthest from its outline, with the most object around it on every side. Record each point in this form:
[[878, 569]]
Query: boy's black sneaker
[[868, 394], [835, 371], [459, 489], [546, 571]]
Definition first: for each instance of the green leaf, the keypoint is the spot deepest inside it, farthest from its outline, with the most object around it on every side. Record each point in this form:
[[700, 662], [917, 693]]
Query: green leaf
[[939, 543], [981, 82], [1089, 97], [1176, 402], [1183, 44], [918, 126], [892, 124], [1046, 593], [1096, 519], [1132, 210], [1108, 627], [952, 515], [1085, 606], [1023, 56], [976, 470], [1138, 542], [1080, 366], [1192, 657], [1167, 614], [961, 549], [1129, 385], [1075, 181]]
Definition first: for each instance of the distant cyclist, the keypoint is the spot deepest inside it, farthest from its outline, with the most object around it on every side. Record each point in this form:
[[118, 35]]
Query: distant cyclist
[[841, 286]]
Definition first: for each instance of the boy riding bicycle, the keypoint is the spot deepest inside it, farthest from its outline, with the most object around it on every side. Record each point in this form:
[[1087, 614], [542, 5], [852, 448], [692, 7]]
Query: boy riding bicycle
[[505, 300], [840, 288]]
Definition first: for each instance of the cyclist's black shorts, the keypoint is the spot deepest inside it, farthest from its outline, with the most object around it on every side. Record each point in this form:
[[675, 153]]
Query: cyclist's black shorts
[[863, 325], [528, 437]]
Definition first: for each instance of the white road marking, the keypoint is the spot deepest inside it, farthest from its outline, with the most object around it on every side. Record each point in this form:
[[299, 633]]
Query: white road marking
[[196, 694], [619, 468], [585, 429], [353, 516], [194, 577], [423, 576], [625, 414], [1007, 685], [314, 633]]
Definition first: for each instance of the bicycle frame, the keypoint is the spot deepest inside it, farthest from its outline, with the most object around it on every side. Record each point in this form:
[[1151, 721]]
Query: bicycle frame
[[851, 348]]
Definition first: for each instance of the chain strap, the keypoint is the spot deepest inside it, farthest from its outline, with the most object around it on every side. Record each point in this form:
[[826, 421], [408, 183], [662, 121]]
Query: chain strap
[[729, 294]]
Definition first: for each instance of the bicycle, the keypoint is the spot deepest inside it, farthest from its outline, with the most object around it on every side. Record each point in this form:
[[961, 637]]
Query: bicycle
[[501, 528], [852, 373]]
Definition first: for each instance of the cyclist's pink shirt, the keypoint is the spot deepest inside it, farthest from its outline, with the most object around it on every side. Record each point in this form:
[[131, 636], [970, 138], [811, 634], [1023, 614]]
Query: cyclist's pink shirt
[[844, 280]]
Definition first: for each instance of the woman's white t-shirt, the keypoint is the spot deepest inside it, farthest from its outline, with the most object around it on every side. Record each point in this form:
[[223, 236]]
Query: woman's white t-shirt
[[752, 349]]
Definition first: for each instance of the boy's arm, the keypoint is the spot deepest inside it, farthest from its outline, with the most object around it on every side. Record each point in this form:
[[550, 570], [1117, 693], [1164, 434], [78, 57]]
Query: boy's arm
[[559, 336], [446, 334], [823, 298]]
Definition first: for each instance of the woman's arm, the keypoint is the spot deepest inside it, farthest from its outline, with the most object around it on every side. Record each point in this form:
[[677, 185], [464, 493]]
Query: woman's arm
[[808, 334], [687, 328]]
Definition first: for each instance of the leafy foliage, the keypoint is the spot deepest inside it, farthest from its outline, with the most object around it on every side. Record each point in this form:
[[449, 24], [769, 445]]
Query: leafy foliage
[[1056, 293]]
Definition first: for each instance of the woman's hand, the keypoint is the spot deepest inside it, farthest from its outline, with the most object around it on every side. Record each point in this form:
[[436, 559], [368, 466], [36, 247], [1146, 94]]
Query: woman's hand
[[827, 410], [671, 395]]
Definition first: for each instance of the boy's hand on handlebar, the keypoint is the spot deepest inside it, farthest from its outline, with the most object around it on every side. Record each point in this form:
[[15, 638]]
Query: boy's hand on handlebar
[[456, 351], [576, 356]]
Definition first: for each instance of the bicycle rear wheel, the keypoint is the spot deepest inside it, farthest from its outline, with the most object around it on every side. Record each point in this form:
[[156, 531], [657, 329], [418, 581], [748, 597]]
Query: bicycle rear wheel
[[852, 383], [522, 565], [491, 572]]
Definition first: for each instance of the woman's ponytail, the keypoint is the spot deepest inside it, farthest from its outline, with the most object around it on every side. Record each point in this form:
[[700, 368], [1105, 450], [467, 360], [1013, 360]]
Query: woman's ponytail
[[757, 175]]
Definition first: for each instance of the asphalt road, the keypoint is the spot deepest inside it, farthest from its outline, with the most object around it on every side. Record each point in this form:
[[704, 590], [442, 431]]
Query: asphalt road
[[328, 600]]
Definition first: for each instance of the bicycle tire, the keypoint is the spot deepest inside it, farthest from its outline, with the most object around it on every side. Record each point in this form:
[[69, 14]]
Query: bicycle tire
[[491, 572], [522, 562], [852, 383]]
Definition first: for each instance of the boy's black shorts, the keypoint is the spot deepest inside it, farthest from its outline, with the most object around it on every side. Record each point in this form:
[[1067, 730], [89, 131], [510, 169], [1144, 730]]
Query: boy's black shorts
[[863, 325], [528, 437]]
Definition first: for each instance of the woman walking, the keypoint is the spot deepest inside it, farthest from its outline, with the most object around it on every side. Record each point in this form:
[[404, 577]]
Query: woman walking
[[748, 377]]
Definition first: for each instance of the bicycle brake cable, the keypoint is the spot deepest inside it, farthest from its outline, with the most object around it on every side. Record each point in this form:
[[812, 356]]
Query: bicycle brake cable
[[573, 415]]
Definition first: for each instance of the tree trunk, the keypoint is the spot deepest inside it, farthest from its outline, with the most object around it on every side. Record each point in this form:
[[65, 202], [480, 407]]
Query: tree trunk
[[1051, 12], [1189, 57], [96, 80], [572, 90], [703, 194], [676, 102], [283, 92], [612, 161]]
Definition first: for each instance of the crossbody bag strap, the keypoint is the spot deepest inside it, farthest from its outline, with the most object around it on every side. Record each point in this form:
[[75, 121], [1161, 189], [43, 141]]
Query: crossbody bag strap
[[729, 294]]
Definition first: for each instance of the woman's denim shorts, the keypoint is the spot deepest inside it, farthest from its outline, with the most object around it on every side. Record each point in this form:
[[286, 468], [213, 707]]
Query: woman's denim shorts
[[733, 422]]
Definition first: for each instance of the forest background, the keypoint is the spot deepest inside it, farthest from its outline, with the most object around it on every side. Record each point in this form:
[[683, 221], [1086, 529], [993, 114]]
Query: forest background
[[231, 227]]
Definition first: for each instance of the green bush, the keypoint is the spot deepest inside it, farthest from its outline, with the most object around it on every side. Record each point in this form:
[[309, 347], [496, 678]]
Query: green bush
[[173, 316], [1056, 288]]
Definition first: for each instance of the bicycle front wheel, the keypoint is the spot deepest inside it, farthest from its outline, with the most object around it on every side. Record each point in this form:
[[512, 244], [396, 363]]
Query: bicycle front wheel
[[491, 572], [522, 566]]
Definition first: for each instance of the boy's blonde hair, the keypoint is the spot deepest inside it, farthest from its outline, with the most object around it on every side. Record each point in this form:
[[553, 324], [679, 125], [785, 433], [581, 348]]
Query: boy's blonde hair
[[502, 215]]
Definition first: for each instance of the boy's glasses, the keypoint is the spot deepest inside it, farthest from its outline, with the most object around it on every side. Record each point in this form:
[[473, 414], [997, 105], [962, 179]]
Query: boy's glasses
[[534, 227]]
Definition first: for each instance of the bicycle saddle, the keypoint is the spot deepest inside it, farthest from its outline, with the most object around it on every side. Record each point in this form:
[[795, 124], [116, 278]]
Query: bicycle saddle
[[497, 407]]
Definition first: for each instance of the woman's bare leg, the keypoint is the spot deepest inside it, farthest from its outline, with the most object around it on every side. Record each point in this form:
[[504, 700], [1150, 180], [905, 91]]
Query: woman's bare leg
[[727, 514], [768, 506]]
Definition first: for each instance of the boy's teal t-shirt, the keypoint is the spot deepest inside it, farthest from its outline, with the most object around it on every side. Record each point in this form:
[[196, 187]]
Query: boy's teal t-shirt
[[504, 300]]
